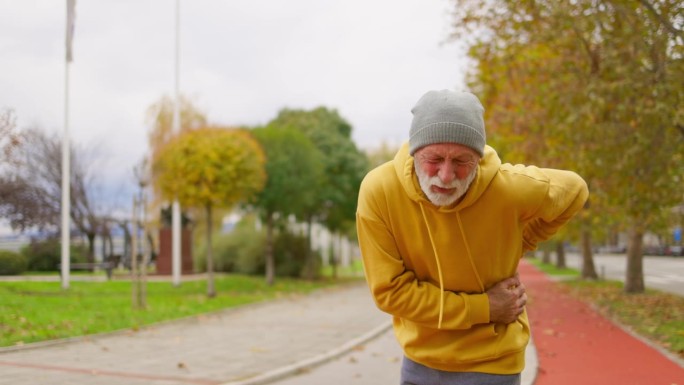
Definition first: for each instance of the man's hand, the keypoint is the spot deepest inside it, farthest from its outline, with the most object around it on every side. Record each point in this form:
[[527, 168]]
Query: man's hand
[[507, 300]]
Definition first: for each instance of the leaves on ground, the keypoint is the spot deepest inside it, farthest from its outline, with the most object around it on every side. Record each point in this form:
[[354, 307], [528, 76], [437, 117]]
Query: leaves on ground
[[657, 316]]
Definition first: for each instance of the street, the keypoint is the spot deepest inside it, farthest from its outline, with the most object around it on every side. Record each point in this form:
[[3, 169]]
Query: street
[[662, 273]]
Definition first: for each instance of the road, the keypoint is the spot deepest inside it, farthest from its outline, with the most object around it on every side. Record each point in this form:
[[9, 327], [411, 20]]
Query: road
[[662, 273]]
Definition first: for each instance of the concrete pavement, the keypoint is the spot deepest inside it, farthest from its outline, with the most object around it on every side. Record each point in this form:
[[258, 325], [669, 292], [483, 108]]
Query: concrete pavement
[[337, 333]]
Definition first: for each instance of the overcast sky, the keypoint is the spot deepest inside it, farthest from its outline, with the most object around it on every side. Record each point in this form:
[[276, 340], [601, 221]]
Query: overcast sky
[[241, 61]]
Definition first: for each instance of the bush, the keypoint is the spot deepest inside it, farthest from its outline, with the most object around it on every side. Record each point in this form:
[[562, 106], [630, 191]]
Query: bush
[[46, 255], [242, 251], [12, 263], [290, 252]]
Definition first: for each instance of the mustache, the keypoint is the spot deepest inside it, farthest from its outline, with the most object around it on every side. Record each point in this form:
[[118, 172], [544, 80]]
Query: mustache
[[436, 181]]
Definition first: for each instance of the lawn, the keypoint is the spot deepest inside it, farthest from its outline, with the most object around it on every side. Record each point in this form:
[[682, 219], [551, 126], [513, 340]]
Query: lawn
[[37, 311], [655, 315]]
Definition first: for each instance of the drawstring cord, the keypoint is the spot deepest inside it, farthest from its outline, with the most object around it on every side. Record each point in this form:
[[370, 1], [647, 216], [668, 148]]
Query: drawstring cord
[[470, 257], [439, 268], [439, 264]]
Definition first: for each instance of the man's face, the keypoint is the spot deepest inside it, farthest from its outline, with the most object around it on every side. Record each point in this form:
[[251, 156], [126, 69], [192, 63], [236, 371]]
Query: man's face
[[445, 171]]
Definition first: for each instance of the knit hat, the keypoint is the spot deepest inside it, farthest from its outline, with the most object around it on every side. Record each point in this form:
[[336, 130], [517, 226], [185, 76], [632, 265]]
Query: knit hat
[[448, 117]]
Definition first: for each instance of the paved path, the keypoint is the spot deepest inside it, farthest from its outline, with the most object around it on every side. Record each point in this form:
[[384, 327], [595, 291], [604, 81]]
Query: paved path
[[576, 345], [255, 343]]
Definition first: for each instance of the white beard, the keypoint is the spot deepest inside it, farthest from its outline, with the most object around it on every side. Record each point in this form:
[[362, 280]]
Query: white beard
[[461, 186]]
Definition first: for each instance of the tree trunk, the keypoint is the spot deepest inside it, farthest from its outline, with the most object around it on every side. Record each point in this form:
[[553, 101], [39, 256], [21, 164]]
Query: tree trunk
[[103, 236], [560, 255], [126, 254], [588, 268], [546, 255], [134, 258], [309, 267], [211, 289], [91, 247], [634, 280], [333, 256], [270, 259]]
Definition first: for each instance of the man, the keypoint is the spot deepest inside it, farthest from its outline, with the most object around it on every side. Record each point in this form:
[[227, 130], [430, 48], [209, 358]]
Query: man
[[441, 230]]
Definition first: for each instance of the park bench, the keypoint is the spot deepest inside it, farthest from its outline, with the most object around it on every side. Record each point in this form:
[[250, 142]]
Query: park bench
[[108, 267]]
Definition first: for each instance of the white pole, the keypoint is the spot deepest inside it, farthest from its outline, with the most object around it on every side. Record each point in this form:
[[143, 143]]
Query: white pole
[[66, 189], [66, 155], [176, 210]]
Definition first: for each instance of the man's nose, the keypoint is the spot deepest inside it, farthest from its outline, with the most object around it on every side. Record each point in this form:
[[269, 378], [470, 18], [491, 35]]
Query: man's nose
[[447, 173]]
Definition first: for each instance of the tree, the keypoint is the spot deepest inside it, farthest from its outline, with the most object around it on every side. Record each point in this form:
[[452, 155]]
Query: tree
[[160, 116], [208, 168], [295, 171], [10, 139], [31, 191], [381, 154], [344, 165], [597, 84]]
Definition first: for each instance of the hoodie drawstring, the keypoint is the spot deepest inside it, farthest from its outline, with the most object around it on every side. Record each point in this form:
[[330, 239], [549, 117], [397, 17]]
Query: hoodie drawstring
[[439, 265], [439, 268], [470, 257]]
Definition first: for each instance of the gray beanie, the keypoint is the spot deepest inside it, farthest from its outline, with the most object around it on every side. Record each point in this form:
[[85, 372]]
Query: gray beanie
[[448, 117]]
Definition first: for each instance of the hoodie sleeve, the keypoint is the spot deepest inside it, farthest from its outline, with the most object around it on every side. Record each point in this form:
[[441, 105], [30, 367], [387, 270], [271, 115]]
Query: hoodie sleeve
[[396, 289], [566, 195]]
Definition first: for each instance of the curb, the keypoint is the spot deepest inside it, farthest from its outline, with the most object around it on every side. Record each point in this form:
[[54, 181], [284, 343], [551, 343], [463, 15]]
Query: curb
[[531, 370], [310, 363]]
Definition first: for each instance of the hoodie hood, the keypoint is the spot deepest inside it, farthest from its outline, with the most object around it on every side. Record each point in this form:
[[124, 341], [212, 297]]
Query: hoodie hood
[[486, 170]]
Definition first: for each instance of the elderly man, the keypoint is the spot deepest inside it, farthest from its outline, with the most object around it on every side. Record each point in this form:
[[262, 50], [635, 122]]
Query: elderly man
[[441, 229]]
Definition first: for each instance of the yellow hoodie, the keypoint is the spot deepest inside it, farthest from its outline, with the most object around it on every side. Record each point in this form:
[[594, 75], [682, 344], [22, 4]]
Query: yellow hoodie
[[429, 266]]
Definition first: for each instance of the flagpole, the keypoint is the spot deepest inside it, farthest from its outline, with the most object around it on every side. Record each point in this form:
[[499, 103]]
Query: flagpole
[[66, 188], [66, 154], [176, 210]]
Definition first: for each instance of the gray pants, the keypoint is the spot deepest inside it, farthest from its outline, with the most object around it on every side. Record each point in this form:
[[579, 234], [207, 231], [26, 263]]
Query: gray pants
[[413, 373]]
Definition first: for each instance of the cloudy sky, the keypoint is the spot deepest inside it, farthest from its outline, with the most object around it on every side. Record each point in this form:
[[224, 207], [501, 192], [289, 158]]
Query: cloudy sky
[[241, 61]]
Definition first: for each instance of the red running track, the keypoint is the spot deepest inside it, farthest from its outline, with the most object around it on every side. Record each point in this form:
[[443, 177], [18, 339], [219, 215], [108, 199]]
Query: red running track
[[577, 346]]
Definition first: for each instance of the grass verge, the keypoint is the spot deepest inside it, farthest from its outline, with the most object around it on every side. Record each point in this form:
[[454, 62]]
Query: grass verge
[[38, 311], [655, 315]]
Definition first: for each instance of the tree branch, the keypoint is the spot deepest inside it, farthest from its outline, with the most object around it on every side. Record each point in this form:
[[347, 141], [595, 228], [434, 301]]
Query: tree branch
[[662, 19]]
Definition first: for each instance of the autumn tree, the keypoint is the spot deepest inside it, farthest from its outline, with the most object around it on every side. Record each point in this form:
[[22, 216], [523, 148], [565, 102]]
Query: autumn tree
[[590, 86], [294, 167], [210, 168], [383, 153], [160, 119]]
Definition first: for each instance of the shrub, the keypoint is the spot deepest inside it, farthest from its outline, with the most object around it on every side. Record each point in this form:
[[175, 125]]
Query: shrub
[[243, 250], [12, 263], [290, 255], [46, 255], [240, 251]]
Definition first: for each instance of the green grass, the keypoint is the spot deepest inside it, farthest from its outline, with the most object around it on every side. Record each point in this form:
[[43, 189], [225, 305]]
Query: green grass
[[38, 311], [355, 269], [551, 269], [655, 315]]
